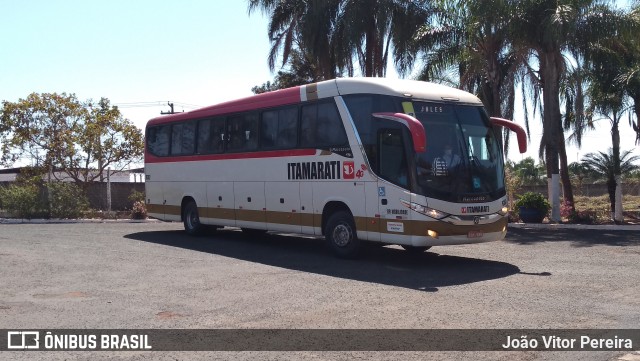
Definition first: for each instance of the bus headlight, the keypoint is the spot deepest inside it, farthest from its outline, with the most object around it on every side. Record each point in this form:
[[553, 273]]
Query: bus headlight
[[430, 212], [503, 211]]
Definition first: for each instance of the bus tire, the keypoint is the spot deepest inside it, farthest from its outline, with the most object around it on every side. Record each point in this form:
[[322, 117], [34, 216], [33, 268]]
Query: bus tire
[[341, 236], [415, 249], [191, 220]]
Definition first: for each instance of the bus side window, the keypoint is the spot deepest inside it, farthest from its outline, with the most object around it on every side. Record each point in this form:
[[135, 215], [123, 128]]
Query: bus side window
[[210, 136], [243, 132], [269, 129], [183, 138], [308, 127], [393, 160], [287, 128], [158, 140], [330, 129], [322, 126]]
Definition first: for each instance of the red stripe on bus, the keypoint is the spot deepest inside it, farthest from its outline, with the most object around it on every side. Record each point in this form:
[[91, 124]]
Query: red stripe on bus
[[150, 158], [260, 101]]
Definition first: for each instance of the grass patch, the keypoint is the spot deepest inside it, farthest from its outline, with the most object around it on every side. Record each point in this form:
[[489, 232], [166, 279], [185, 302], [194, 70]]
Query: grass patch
[[601, 208]]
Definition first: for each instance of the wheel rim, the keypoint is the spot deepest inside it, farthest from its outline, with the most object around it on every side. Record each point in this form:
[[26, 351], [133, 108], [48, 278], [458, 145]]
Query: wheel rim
[[342, 235], [192, 219]]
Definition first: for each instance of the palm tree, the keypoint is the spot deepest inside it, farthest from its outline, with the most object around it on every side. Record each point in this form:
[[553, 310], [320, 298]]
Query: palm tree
[[472, 39], [302, 24], [335, 32], [605, 165], [550, 29], [471, 42]]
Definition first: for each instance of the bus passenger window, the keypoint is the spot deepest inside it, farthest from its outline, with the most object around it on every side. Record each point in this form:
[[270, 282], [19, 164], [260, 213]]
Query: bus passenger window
[[279, 129], [287, 128], [322, 126], [308, 131], [243, 132], [183, 138], [210, 136], [158, 140], [269, 129]]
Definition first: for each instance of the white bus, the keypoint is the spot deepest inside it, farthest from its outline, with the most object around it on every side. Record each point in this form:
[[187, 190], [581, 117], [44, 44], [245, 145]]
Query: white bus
[[356, 159]]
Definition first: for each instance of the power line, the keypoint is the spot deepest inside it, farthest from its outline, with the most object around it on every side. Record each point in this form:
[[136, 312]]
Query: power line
[[158, 103]]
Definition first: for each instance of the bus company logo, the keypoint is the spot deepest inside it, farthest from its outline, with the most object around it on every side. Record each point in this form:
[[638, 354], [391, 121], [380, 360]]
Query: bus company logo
[[348, 170], [475, 209], [314, 170], [23, 340], [324, 170]]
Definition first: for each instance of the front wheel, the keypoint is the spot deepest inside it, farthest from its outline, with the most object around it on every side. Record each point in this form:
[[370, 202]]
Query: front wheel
[[191, 219], [340, 233]]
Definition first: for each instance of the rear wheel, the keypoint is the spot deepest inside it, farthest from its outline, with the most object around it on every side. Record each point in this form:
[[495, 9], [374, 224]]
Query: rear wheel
[[340, 233], [191, 219]]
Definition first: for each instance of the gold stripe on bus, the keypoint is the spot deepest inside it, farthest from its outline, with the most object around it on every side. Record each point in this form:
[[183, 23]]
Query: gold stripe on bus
[[283, 217], [220, 213], [155, 208], [312, 91], [250, 215], [370, 224], [173, 210]]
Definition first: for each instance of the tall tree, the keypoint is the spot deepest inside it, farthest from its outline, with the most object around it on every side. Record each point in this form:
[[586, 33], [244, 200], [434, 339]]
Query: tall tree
[[338, 33], [472, 40], [603, 164], [301, 70], [609, 48], [550, 29], [58, 132]]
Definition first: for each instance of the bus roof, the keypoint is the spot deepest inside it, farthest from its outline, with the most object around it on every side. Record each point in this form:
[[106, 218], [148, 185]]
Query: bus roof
[[413, 89]]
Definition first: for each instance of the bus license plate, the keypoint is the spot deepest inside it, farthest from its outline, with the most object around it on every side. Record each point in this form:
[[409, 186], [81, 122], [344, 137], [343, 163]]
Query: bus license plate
[[475, 234]]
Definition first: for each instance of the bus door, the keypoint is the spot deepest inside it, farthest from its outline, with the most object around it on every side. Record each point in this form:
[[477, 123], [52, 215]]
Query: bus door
[[394, 181]]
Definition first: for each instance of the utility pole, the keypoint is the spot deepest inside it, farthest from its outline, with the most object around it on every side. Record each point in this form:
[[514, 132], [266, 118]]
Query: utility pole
[[169, 112]]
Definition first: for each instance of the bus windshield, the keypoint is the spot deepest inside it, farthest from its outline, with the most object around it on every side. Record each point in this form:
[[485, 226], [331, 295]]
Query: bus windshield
[[463, 161]]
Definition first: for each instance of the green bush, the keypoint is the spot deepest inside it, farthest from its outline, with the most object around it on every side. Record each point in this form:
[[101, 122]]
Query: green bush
[[533, 200], [20, 200], [66, 200], [136, 196]]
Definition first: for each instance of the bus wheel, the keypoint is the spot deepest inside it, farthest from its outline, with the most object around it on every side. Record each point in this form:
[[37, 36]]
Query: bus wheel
[[340, 233], [192, 224], [415, 249]]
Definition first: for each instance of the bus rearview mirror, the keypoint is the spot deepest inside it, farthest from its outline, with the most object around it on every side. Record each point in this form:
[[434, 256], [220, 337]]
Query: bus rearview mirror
[[512, 126], [418, 134]]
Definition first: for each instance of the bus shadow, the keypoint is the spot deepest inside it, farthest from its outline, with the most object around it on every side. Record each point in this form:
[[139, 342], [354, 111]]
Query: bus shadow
[[576, 237], [427, 272]]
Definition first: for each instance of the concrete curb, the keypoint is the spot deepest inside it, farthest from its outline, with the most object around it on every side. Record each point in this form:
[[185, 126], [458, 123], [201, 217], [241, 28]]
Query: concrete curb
[[602, 227], [69, 221]]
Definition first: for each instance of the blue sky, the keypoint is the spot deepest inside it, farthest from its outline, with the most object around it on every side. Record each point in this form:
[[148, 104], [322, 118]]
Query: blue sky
[[193, 53]]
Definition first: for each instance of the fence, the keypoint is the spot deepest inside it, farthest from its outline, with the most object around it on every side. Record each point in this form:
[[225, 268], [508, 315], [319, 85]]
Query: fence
[[589, 190], [97, 195]]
